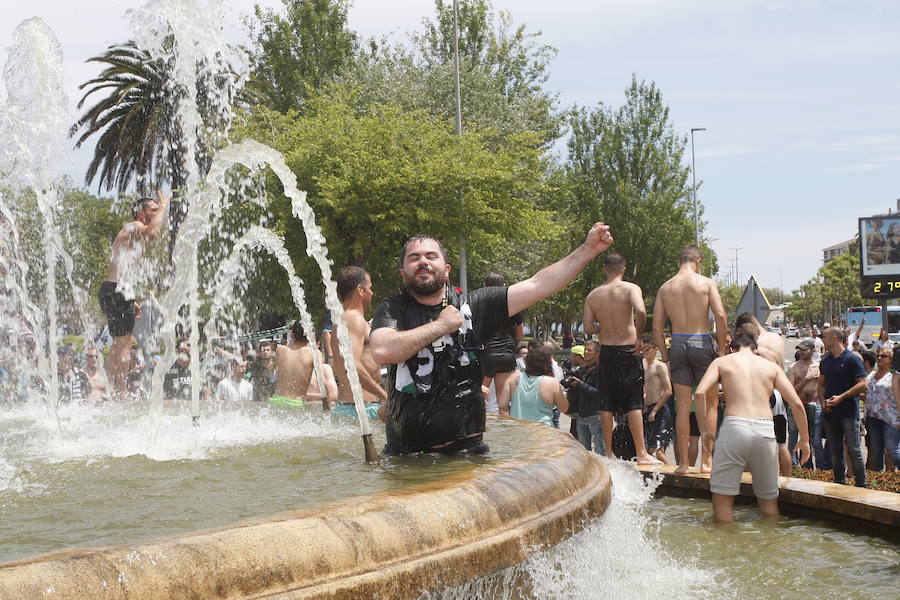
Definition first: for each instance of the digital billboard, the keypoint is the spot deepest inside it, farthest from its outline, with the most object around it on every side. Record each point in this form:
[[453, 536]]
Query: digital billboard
[[879, 249]]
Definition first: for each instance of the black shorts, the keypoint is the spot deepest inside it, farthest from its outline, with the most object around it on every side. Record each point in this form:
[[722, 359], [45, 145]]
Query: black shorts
[[695, 426], [780, 422], [493, 362], [621, 379], [119, 311]]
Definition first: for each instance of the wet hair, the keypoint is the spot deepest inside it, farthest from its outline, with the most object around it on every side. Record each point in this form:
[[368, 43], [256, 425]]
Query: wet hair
[[743, 340], [614, 261], [141, 203], [348, 279], [745, 322], [494, 279], [420, 238], [538, 361], [297, 331], [689, 253]]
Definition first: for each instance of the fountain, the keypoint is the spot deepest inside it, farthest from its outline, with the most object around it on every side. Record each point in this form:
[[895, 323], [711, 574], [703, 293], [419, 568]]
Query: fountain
[[260, 502]]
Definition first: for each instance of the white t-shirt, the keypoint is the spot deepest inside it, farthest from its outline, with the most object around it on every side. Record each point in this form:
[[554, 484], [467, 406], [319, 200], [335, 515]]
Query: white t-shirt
[[228, 391]]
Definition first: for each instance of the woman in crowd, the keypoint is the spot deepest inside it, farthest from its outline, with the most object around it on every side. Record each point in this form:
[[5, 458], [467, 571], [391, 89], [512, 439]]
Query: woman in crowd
[[532, 394], [882, 418]]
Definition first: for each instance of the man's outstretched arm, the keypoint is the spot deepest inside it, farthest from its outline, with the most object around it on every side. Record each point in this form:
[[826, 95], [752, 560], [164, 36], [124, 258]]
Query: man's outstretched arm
[[553, 278]]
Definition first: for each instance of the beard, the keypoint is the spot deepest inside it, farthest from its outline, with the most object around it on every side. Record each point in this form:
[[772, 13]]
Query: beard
[[425, 288]]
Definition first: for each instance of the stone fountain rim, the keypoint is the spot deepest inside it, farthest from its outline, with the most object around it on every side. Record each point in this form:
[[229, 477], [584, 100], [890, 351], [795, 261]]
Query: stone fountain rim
[[389, 544]]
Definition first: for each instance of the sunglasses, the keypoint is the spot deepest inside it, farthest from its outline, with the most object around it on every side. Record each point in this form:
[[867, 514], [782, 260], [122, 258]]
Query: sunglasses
[[884, 356]]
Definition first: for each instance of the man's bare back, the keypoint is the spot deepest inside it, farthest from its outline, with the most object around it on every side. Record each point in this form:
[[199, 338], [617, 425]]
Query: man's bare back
[[748, 380], [612, 306], [686, 300], [294, 366]]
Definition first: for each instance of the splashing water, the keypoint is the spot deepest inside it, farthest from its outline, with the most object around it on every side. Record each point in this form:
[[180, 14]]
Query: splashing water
[[617, 557], [259, 237]]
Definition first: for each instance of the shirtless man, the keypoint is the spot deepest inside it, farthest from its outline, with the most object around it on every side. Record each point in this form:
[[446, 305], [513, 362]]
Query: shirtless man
[[354, 289], [615, 310], [294, 368], [657, 391], [770, 346], [747, 438], [127, 250], [804, 376], [685, 301], [95, 377]]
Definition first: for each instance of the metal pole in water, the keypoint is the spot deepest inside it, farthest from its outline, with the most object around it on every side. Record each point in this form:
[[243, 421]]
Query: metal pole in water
[[195, 341]]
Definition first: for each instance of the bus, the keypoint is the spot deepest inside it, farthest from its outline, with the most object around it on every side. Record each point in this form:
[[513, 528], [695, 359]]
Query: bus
[[872, 326]]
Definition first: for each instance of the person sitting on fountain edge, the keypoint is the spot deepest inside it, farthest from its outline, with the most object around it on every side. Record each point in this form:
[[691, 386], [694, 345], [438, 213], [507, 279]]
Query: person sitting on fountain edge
[[127, 251], [430, 334]]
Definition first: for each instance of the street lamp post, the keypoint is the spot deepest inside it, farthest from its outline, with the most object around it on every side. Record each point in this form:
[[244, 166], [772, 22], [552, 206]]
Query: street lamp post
[[694, 175], [463, 268], [781, 286], [737, 271]]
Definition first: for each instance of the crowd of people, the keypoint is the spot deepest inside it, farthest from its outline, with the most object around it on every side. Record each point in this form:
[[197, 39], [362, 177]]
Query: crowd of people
[[720, 395]]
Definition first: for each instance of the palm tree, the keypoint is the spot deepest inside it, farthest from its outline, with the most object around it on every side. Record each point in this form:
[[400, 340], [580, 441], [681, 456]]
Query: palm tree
[[139, 134]]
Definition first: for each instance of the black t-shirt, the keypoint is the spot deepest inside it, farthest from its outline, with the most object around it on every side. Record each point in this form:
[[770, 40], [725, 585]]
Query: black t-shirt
[[177, 383], [505, 342], [435, 396]]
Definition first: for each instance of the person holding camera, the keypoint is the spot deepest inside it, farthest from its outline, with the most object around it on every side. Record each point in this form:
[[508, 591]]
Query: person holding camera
[[582, 391]]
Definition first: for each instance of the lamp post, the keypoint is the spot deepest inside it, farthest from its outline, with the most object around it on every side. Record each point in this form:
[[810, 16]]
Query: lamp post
[[694, 175], [463, 268], [781, 286], [737, 271]]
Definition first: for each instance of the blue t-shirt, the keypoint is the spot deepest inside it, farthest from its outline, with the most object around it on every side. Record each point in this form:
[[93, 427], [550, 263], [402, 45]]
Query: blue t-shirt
[[841, 373]]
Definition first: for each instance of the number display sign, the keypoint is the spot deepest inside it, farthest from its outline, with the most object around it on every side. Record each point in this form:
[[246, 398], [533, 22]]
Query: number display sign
[[879, 256]]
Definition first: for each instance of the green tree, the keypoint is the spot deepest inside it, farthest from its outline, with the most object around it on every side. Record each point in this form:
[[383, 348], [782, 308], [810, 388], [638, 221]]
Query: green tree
[[503, 70], [376, 177], [138, 134], [301, 50], [625, 167], [827, 296]]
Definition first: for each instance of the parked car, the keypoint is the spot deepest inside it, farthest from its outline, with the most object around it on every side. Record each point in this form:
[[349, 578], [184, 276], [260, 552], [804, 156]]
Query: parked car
[[791, 331]]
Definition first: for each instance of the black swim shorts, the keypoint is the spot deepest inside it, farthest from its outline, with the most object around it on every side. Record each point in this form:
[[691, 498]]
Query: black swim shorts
[[119, 311], [493, 362], [780, 422], [695, 426], [621, 379], [689, 357]]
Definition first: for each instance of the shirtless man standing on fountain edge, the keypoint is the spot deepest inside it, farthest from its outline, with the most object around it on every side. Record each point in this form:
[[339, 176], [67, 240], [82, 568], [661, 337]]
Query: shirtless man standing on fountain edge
[[615, 310], [127, 251], [685, 301]]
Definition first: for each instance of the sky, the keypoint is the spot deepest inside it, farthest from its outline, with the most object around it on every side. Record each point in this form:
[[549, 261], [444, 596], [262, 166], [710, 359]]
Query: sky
[[799, 99]]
